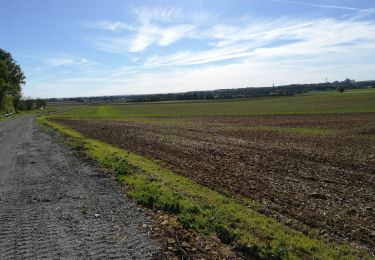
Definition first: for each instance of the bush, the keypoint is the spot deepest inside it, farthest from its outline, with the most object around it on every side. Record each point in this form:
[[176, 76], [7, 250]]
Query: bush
[[7, 104]]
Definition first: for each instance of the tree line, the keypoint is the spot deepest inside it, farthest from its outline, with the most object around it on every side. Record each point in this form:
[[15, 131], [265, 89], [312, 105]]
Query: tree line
[[287, 90], [28, 104]]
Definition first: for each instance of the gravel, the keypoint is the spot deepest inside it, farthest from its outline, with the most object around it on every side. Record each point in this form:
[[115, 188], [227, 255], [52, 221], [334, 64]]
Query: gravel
[[54, 205]]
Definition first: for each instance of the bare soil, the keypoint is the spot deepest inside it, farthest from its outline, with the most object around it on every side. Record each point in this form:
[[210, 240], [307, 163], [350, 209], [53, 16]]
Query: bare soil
[[325, 181]]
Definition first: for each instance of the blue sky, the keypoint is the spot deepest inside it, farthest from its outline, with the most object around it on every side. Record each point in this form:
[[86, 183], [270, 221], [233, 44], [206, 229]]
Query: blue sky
[[93, 47]]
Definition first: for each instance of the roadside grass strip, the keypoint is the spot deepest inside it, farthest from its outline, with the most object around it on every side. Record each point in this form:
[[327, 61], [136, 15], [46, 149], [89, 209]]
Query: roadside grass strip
[[203, 210], [3, 117]]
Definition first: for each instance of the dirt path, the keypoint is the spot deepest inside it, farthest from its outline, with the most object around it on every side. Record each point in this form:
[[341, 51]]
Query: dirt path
[[53, 205]]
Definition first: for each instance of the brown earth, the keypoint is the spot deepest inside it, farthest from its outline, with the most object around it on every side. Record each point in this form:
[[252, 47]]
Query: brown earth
[[324, 179]]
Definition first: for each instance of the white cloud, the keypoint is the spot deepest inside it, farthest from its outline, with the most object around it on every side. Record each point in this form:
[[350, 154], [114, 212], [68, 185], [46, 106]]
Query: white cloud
[[118, 45], [184, 58], [153, 26], [233, 53], [284, 38], [144, 37], [108, 25], [165, 14], [67, 60], [347, 8], [172, 34], [173, 15]]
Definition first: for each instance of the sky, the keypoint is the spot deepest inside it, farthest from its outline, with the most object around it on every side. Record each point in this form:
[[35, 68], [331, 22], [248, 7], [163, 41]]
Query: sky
[[81, 48]]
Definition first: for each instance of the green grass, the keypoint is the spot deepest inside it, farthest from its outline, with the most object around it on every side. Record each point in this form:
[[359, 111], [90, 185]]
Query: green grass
[[3, 118], [56, 108], [348, 91], [319, 102], [204, 210], [300, 130], [2, 115]]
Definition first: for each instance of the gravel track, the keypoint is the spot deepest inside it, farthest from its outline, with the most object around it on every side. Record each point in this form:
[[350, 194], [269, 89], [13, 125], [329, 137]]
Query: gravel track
[[53, 205]]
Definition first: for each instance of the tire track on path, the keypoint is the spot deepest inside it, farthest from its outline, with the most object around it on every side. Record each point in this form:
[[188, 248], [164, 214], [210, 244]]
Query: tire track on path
[[53, 205]]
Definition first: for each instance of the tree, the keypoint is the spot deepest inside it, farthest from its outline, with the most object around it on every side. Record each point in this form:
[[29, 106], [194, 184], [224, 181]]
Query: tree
[[14, 79], [4, 73], [341, 90], [4, 85], [21, 105], [29, 104]]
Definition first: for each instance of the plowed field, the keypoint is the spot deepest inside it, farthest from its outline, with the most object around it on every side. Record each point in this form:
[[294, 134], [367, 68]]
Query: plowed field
[[317, 170]]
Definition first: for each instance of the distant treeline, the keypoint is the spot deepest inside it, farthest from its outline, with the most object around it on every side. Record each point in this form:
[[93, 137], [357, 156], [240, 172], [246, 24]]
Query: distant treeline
[[287, 90], [30, 104]]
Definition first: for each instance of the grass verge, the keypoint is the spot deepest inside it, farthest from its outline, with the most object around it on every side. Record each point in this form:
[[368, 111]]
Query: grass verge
[[204, 210], [3, 118]]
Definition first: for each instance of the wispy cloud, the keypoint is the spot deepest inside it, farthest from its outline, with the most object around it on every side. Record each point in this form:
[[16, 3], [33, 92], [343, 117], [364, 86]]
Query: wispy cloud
[[264, 40], [108, 25], [169, 49], [150, 34], [221, 41], [170, 14], [145, 36], [62, 60], [166, 14], [347, 8], [152, 26]]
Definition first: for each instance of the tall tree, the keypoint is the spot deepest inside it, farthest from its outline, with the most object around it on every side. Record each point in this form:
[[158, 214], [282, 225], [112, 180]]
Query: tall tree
[[4, 82], [15, 78]]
